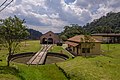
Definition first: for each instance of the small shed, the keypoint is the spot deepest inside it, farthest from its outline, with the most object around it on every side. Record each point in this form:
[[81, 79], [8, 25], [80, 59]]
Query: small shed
[[49, 38], [76, 45]]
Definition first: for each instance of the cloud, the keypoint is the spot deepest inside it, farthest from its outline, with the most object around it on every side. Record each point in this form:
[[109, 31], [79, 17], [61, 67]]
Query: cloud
[[45, 15]]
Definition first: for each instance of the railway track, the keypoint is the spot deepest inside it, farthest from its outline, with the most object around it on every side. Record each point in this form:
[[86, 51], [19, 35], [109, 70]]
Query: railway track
[[39, 57]]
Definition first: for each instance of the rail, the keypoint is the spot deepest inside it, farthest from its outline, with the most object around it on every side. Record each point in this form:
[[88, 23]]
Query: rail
[[39, 57]]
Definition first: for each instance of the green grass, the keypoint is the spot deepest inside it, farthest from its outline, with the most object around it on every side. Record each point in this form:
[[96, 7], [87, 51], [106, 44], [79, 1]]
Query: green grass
[[59, 49], [32, 72], [9, 73], [104, 67], [43, 72], [95, 68], [24, 72], [29, 46], [113, 51]]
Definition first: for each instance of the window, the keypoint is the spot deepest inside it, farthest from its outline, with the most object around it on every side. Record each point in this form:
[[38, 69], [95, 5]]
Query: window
[[50, 35], [85, 50]]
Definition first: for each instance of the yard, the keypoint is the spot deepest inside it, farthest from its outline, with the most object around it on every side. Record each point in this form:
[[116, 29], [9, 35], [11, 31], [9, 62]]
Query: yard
[[59, 49], [104, 67], [25, 72]]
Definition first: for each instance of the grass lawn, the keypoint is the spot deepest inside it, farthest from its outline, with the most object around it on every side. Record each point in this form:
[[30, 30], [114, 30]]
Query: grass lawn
[[24, 72], [59, 49], [105, 67], [43, 72], [114, 50], [31, 46], [95, 68]]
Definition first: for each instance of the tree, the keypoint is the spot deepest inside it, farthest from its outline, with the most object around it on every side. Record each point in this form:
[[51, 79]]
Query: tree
[[111, 20], [12, 32], [70, 31], [63, 37]]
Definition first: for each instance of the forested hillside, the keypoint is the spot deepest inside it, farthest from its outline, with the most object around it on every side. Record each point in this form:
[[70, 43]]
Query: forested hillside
[[34, 34], [106, 24]]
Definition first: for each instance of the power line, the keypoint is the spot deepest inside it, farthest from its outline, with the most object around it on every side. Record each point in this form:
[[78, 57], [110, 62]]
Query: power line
[[5, 5]]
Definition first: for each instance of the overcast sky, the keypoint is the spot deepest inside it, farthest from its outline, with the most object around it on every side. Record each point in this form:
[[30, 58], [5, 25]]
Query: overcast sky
[[46, 15]]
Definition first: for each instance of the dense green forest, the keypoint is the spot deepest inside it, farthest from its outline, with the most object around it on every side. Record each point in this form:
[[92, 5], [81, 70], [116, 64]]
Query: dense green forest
[[106, 24], [70, 31]]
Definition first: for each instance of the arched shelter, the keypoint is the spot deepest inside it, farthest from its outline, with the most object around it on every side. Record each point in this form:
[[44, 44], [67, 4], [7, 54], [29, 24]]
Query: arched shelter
[[49, 38]]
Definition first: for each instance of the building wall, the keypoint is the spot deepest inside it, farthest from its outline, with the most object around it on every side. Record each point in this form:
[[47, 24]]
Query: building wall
[[95, 50], [76, 50], [79, 49], [105, 39], [100, 38], [49, 35]]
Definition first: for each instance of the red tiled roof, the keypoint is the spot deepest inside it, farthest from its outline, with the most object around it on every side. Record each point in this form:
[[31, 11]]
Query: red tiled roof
[[81, 38], [71, 43]]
